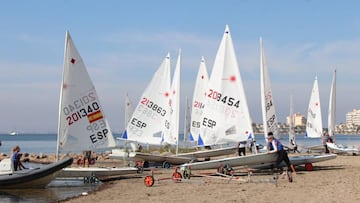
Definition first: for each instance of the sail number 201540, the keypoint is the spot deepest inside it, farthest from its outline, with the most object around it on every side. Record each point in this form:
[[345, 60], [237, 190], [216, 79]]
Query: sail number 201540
[[230, 101]]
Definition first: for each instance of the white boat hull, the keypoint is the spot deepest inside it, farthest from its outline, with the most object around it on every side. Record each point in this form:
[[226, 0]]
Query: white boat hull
[[254, 159], [345, 150], [98, 172]]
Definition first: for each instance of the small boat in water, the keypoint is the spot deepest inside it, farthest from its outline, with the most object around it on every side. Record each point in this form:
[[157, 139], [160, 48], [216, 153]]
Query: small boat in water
[[30, 178], [13, 133]]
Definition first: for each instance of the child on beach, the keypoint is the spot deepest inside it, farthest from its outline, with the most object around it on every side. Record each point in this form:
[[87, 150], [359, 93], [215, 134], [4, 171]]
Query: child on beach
[[15, 158]]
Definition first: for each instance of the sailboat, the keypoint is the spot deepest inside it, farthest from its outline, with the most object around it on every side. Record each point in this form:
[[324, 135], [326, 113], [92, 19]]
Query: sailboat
[[124, 152], [226, 58], [336, 148], [267, 100], [226, 117], [150, 120], [314, 128], [129, 110], [292, 138], [82, 123], [155, 120], [13, 133], [174, 104], [198, 101]]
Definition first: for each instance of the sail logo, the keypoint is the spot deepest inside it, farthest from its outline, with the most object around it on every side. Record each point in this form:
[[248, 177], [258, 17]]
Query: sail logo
[[313, 115], [95, 116], [231, 130]]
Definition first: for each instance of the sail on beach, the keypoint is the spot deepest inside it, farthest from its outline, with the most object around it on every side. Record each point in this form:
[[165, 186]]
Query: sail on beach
[[82, 122], [151, 117], [226, 115], [174, 104], [332, 107], [198, 101], [128, 113], [267, 100], [314, 128]]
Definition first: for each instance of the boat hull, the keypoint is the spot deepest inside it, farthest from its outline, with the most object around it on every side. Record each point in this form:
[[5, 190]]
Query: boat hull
[[254, 159], [98, 172], [33, 178]]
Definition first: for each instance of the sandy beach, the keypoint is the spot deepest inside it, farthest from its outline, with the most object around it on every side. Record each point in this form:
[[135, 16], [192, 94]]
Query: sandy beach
[[335, 180]]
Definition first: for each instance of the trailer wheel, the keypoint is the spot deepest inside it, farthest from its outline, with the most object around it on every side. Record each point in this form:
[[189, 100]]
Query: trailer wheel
[[309, 167], [176, 177], [149, 181]]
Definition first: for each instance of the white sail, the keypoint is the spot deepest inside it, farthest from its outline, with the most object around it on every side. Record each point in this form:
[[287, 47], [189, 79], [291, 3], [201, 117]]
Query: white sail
[[198, 101], [292, 141], [150, 120], [226, 116], [267, 101], [187, 121], [335, 147], [129, 110], [174, 105], [314, 127], [332, 107], [82, 122]]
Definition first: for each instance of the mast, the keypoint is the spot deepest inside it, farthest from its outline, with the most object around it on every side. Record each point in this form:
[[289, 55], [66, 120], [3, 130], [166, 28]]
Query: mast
[[175, 104], [67, 35], [291, 124]]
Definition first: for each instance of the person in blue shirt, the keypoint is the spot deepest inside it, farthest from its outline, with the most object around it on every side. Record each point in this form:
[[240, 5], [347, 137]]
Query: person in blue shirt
[[275, 146], [15, 158]]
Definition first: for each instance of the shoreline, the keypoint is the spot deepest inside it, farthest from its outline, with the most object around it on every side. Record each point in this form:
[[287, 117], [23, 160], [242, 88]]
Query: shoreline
[[334, 180]]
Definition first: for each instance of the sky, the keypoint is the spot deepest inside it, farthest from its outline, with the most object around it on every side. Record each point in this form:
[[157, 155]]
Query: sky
[[123, 43]]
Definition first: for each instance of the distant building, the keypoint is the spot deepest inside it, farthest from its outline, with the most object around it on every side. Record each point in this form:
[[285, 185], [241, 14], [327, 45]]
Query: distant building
[[298, 119], [353, 117]]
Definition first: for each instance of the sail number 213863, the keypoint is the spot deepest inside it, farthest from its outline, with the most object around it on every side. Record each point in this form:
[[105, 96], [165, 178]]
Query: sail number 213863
[[150, 104]]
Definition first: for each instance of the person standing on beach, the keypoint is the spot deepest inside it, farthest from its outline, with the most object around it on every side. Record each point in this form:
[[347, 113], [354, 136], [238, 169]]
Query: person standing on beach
[[325, 139], [275, 146], [242, 148], [294, 145]]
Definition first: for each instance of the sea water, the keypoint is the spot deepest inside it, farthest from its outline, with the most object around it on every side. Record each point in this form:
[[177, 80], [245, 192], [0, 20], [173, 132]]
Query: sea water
[[46, 143]]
